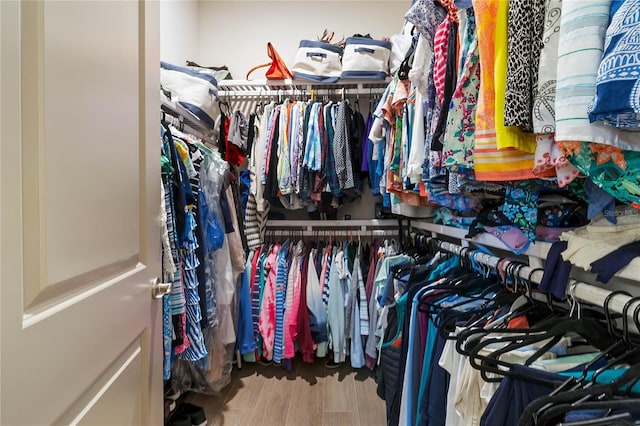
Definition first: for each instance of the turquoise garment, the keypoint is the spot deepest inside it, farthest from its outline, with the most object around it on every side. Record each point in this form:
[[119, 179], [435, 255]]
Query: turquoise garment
[[443, 268], [612, 169], [261, 264], [414, 328], [448, 217], [424, 379], [607, 376]]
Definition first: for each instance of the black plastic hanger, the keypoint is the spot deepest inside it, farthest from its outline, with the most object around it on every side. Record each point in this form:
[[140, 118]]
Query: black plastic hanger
[[551, 415], [535, 408]]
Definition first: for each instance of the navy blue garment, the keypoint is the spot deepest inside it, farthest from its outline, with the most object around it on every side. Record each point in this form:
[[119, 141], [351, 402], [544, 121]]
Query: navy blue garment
[[435, 395], [245, 341], [607, 266], [513, 395], [599, 201], [182, 195], [556, 271]]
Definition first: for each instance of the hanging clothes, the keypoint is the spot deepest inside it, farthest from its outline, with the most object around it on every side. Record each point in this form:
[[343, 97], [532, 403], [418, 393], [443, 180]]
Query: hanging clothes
[[198, 218]]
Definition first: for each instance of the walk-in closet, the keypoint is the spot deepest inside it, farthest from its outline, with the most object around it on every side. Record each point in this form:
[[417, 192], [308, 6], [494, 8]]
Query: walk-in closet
[[292, 213], [432, 213]]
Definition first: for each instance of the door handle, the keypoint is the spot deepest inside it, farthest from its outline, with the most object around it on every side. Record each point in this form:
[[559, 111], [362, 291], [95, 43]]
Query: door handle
[[159, 289]]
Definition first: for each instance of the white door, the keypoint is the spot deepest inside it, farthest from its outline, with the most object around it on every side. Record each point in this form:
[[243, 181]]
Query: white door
[[79, 203]]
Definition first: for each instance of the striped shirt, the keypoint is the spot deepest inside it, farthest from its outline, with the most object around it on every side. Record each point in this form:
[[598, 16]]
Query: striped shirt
[[260, 275], [281, 291], [362, 296], [324, 280], [197, 349], [177, 292], [255, 294]]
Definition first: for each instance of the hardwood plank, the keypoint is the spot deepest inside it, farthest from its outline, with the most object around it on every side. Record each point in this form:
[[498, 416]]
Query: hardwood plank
[[235, 417], [245, 391], [273, 403], [307, 402], [340, 418], [339, 391], [371, 408]]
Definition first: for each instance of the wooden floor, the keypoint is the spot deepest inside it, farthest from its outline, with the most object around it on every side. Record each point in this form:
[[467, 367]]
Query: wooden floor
[[310, 395]]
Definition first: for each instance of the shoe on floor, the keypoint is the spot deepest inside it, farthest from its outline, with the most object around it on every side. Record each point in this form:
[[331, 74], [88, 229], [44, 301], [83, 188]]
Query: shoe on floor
[[193, 412]]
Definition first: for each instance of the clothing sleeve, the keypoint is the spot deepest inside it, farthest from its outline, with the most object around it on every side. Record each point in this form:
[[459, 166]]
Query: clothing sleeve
[[416, 152]]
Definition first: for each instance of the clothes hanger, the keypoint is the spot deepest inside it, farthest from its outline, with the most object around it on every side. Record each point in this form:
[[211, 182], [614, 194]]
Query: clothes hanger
[[533, 410], [621, 419], [473, 316], [626, 334], [259, 109], [616, 356], [616, 350], [551, 416], [225, 108], [510, 339]]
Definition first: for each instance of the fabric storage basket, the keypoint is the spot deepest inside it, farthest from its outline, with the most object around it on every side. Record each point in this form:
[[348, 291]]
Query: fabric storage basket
[[195, 91], [317, 61], [366, 58]]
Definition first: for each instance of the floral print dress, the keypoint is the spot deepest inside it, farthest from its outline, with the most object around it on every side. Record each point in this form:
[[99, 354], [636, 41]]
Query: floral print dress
[[459, 137]]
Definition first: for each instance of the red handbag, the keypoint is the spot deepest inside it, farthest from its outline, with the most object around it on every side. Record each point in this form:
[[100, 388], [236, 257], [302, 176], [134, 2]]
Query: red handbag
[[277, 68]]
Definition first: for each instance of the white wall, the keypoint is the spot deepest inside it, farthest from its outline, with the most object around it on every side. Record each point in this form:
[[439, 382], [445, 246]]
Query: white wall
[[179, 31], [235, 33]]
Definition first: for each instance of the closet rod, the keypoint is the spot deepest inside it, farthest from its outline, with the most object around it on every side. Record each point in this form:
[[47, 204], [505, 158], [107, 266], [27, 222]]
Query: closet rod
[[580, 291], [337, 233], [288, 83], [538, 250], [312, 226], [296, 92], [487, 259], [596, 296]]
